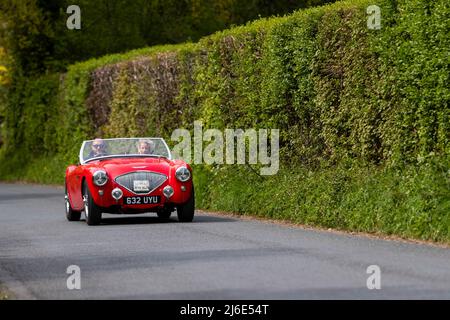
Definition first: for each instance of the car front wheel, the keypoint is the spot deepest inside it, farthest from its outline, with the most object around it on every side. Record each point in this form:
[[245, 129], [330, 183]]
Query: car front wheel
[[185, 212], [71, 214], [91, 210], [164, 214]]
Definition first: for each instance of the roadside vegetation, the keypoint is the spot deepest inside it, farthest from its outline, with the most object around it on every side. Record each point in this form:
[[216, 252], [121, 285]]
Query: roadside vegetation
[[4, 293], [363, 114]]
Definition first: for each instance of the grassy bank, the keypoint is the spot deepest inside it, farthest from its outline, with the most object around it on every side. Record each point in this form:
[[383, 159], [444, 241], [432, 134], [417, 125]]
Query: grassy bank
[[4, 293], [412, 202]]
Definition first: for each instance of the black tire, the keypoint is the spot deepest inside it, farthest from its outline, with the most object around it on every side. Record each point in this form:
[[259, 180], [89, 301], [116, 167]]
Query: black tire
[[92, 212], [71, 214], [185, 212], [164, 214]]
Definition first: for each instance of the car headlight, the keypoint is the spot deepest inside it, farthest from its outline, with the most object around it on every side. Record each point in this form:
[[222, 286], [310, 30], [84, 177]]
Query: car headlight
[[100, 178], [183, 174]]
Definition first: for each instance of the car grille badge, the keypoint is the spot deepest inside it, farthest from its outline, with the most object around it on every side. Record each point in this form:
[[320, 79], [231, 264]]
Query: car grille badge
[[141, 185]]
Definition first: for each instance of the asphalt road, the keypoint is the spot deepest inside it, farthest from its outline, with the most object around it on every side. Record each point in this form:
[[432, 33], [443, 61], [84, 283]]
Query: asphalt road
[[214, 257]]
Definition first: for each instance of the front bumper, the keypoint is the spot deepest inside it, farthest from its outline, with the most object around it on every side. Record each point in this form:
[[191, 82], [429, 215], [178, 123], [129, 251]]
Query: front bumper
[[102, 197]]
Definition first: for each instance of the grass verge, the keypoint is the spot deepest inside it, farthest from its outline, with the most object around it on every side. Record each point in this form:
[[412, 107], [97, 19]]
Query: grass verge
[[5, 294], [412, 202]]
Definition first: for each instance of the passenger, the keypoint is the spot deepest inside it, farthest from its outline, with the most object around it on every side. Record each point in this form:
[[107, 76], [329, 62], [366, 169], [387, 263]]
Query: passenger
[[146, 147]]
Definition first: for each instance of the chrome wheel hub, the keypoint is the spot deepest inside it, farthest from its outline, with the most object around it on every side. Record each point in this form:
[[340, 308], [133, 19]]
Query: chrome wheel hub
[[86, 208], [66, 200]]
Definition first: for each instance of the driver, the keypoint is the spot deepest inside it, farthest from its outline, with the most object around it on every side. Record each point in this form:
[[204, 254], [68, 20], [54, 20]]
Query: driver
[[98, 148], [146, 147]]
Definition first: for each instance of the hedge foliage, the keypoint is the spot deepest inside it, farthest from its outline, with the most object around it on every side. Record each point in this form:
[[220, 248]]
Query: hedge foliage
[[342, 95], [37, 39]]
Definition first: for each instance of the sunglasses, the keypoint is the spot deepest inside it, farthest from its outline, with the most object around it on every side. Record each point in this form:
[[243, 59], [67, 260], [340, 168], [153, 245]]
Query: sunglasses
[[98, 145]]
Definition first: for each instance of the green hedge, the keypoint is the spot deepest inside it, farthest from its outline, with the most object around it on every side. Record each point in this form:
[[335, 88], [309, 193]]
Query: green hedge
[[363, 114]]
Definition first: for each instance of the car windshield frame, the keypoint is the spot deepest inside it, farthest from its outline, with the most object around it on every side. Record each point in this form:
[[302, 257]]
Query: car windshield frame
[[112, 156]]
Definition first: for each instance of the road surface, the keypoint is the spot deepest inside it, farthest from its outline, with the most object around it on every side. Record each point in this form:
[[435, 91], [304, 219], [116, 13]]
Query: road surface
[[214, 257]]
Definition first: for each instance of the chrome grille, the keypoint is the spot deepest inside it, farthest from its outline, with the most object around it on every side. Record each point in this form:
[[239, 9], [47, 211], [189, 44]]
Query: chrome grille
[[154, 179]]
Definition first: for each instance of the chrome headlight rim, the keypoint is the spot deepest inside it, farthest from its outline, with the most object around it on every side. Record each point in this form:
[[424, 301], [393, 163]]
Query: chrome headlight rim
[[183, 174], [95, 178]]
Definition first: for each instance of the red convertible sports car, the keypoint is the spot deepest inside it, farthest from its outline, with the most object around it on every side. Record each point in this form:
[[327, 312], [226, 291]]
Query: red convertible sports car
[[128, 175]]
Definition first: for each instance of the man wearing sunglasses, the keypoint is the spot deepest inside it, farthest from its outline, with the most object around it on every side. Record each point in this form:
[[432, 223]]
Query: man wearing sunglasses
[[98, 148]]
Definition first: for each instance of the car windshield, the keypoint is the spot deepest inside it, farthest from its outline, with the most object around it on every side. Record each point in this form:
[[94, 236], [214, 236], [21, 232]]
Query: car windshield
[[123, 147]]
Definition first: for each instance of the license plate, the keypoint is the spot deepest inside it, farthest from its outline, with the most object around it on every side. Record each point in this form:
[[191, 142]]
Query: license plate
[[141, 186], [142, 200]]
